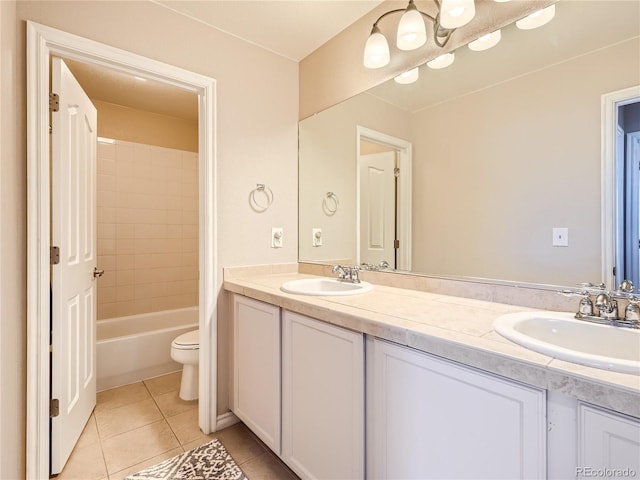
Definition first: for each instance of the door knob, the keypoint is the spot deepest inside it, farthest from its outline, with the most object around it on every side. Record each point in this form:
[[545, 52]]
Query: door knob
[[97, 273]]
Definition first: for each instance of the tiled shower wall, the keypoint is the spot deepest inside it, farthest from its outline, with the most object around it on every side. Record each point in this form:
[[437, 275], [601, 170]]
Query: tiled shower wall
[[147, 229]]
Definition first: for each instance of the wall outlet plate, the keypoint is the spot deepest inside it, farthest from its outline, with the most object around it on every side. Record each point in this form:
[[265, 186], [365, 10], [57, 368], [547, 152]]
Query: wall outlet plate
[[277, 237], [316, 237], [560, 237]]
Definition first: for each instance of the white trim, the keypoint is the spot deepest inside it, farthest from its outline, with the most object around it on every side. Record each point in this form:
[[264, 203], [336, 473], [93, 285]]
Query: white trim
[[226, 420], [404, 195], [609, 112], [43, 41]]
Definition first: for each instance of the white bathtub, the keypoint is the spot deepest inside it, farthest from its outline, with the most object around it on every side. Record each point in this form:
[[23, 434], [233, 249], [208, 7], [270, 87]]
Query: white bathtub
[[133, 348]]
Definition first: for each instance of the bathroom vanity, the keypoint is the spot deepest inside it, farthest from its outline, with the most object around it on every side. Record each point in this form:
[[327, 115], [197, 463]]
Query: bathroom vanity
[[400, 383]]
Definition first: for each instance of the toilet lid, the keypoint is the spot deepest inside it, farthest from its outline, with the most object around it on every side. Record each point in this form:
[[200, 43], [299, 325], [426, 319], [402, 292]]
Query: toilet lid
[[189, 340]]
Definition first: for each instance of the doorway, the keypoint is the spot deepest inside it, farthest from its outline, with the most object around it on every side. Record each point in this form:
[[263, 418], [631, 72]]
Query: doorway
[[383, 213], [42, 43], [620, 181]]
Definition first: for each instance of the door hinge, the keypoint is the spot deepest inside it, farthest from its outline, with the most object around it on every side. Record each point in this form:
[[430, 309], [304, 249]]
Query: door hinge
[[396, 244], [396, 172], [54, 255], [54, 102], [54, 407]]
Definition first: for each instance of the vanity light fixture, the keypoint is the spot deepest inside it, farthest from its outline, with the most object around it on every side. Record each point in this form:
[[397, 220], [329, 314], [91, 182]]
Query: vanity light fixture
[[408, 77], [412, 33], [537, 19], [442, 61], [485, 42]]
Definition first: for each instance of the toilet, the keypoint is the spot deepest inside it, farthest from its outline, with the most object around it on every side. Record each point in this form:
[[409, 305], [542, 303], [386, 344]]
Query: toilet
[[185, 349]]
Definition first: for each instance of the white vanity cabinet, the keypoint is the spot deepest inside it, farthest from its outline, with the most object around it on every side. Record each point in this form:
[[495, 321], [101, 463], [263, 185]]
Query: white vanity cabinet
[[428, 418], [608, 444], [256, 368], [322, 399]]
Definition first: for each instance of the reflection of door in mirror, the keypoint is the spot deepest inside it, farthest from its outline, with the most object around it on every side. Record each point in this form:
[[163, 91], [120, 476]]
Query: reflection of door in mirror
[[383, 204], [628, 197], [377, 204]]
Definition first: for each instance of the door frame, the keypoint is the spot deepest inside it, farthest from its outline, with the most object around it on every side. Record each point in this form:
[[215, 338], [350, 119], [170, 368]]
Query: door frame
[[608, 204], [403, 209], [42, 42]]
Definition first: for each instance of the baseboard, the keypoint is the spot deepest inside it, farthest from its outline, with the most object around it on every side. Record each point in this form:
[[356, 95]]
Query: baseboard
[[226, 420]]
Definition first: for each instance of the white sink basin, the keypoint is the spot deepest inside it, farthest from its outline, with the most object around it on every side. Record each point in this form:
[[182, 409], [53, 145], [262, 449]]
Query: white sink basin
[[325, 287], [562, 336]]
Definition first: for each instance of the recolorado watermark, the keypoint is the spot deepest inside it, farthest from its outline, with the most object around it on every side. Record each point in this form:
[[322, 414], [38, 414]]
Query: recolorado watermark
[[590, 472]]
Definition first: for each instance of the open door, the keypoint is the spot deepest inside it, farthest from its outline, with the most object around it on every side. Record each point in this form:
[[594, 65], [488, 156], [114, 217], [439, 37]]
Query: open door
[[377, 208], [73, 231]]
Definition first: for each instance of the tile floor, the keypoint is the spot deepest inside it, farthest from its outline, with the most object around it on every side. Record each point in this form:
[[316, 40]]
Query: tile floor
[[139, 425]]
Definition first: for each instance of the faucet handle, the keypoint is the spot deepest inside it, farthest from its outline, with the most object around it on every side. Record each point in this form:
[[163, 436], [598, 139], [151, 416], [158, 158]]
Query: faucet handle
[[626, 286]]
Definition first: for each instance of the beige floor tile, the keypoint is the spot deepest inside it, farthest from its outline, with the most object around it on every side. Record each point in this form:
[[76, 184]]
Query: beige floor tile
[[171, 404], [128, 417], [199, 441], [164, 384], [147, 463], [131, 448], [239, 443], [185, 426], [85, 463], [117, 397], [89, 435], [266, 467]]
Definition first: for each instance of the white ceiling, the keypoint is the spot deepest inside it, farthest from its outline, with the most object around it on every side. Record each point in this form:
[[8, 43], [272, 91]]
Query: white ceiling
[[291, 28]]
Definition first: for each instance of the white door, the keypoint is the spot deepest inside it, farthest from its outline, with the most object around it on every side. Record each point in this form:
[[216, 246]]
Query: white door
[[73, 230], [377, 208]]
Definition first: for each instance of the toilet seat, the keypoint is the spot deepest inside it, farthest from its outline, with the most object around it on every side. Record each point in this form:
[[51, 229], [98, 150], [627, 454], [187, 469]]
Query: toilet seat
[[187, 341]]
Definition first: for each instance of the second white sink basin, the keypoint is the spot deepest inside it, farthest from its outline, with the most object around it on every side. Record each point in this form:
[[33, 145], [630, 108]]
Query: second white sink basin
[[562, 336], [325, 287]]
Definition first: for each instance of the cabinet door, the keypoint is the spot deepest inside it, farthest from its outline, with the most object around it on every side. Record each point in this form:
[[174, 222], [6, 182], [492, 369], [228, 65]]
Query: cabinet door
[[322, 399], [608, 444], [256, 368], [428, 418]]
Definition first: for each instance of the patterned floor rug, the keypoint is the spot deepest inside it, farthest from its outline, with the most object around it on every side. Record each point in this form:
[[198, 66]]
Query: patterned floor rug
[[210, 461]]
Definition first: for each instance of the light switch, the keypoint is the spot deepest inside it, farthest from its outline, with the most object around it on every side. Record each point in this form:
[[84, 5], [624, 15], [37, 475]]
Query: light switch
[[560, 237], [316, 237], [277, 237]]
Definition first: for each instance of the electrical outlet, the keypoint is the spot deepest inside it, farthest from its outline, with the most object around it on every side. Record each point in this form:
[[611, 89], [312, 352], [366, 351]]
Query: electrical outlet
[[560, 237], [277, 237], [316, 237]]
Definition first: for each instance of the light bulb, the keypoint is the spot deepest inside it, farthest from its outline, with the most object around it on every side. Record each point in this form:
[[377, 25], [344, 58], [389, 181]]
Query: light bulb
[[376, 50], [407, 77], [411, 30], [537, 19], [485, 42], [442, 61], [456, 13]]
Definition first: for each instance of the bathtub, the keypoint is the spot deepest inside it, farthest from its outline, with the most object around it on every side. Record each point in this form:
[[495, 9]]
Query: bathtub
[[131, 349]]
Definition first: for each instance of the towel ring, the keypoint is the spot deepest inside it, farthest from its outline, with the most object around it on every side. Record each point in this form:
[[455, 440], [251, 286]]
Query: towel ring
[[330, 203], [257, 203]]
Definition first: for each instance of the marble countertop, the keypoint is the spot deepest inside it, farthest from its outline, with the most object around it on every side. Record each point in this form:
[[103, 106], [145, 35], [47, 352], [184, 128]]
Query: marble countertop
[[455, 328]]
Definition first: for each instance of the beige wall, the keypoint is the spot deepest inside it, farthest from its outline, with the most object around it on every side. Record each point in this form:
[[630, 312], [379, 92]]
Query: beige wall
[[496, 170], [147, 229], [12, 247], [133, 125], [329, 166], [334, 72], [257, 111]]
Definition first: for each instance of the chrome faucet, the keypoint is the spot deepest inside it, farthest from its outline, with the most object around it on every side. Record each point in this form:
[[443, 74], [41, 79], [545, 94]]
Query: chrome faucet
[[347, 274], [607, 304]]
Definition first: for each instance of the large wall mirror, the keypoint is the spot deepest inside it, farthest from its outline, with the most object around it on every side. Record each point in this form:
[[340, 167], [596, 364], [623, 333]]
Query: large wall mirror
[[492, 166]]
